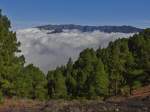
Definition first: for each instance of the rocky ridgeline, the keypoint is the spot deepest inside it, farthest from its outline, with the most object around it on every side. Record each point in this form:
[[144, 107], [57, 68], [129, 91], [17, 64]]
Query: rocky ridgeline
[[107, 29]]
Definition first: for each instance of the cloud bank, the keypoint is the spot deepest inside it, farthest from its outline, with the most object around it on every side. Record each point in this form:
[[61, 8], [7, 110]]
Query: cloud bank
[[47, 50]]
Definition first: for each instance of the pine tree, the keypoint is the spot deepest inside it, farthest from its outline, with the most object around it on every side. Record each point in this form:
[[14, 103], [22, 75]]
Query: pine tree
[[101, 79], [10, 64], [37, 79], [70, 79], [57, 86]]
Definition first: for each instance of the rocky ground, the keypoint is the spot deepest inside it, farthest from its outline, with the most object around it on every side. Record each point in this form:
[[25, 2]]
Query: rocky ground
[[138, 102], [128, 105]]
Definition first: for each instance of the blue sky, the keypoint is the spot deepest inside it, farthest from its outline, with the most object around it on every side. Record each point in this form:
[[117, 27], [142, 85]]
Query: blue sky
[[28, 13]]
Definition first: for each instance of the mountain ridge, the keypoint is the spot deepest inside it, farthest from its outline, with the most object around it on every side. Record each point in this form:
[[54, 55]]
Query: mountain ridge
[[87, 28]]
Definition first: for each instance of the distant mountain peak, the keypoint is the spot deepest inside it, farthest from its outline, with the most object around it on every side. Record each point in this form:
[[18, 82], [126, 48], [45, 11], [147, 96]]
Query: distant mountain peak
[[86, 28]]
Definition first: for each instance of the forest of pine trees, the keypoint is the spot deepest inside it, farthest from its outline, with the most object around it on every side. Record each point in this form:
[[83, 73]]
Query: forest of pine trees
[[116, 70]]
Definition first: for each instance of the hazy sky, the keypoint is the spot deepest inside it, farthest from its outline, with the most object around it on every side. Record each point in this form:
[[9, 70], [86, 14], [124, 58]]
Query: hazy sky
[[27, 13]]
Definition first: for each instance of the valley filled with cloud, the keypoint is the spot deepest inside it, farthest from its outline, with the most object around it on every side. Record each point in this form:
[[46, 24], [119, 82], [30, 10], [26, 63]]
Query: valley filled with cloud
[[48, 50]]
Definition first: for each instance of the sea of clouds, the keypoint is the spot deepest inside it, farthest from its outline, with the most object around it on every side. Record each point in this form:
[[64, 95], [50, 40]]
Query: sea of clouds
[[48, 50]]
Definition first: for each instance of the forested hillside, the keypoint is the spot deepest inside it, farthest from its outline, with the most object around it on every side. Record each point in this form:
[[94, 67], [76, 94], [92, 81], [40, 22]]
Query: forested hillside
[[17, 80], [116, 70]]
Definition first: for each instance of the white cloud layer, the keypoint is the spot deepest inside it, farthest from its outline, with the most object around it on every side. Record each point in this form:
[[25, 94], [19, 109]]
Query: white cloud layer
[[50, 50]]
